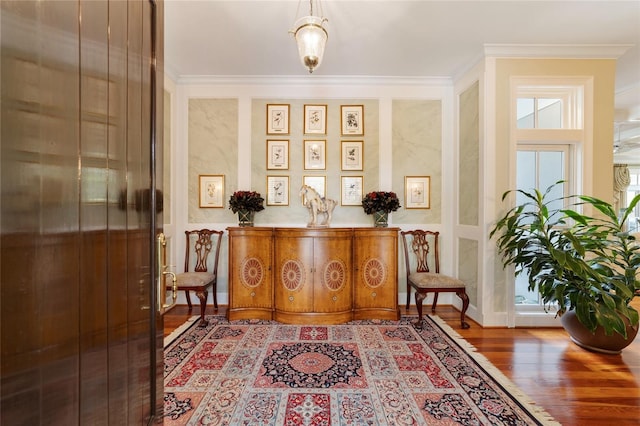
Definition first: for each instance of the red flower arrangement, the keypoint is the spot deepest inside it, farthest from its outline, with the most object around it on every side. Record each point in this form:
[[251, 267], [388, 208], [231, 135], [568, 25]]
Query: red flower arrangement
[[380, 201], [246, 200]]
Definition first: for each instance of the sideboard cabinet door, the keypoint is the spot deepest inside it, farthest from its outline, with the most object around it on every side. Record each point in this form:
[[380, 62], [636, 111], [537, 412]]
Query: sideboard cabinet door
[[250, 273], [332, 274], [313, 281], [293, 274], [376, 273]]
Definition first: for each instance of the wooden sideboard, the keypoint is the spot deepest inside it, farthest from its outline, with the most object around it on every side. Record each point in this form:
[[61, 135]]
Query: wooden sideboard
[[313, 275]]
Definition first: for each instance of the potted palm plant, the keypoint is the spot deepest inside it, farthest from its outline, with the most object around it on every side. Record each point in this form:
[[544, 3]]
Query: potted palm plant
[[585, 266]]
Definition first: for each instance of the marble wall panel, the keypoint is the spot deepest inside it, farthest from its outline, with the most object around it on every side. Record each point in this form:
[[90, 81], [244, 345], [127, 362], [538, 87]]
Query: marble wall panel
[[213, 150], [469, 159], [417, 151], [468, 267]]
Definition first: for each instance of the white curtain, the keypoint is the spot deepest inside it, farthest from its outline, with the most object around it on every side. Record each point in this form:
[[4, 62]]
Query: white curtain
[[620, 184]]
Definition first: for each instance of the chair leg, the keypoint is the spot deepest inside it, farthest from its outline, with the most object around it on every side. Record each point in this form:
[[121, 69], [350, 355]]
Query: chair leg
[[462, 294], [408, 295], [202, 295], [419, 298], [186, 293], [435, 301], [215, 295]]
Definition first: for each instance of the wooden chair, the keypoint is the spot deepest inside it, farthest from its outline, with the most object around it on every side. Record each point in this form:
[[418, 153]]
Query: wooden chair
[[422, 247], [201, 267]]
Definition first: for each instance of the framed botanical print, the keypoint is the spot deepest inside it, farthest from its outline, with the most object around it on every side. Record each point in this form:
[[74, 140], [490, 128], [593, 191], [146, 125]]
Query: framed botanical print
[[315, 154], [211, 190], [417, 192], [277, 119], [352, 120], [351, 190], [277, 190], [315, 119], [316, 182], [352, 155], [277, 155]]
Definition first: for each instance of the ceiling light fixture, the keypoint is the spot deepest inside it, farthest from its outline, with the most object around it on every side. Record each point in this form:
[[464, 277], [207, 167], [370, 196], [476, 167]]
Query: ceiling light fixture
[[311, 37]]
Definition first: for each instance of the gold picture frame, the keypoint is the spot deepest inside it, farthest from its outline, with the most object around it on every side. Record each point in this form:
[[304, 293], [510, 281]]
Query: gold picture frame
[[352, 120], [352, 155], [319, 183], [315, 119], [351, 190], [315, 157], [278, 119], [417, 192], [277, 190], [277, 155], [211, 191]]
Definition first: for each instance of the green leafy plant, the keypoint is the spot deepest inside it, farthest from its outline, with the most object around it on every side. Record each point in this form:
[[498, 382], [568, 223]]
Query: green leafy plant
[[246, 200], [576, 262], [380, 201]]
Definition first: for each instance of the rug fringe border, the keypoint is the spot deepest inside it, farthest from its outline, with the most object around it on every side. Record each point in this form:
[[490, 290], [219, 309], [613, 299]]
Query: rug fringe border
[[527, 402], [169, 339]]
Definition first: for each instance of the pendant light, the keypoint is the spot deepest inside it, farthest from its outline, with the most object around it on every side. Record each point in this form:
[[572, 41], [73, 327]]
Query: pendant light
[[311, 37]]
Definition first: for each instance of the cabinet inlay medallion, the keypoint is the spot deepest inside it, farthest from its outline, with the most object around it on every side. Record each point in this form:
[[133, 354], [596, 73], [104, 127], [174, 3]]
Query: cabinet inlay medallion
[[292, 274], [374, 273], [252, 272], [334, 275]]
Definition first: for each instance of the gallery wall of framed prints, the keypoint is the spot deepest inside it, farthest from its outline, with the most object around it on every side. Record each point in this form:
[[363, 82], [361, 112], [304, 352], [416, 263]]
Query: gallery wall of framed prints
[[310, 136]]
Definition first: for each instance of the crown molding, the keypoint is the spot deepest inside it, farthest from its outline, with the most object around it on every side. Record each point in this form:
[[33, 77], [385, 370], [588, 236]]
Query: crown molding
[[581, 51], [295, 80]]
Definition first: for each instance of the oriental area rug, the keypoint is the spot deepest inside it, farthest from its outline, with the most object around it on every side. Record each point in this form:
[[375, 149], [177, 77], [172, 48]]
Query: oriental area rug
[[254, 372]]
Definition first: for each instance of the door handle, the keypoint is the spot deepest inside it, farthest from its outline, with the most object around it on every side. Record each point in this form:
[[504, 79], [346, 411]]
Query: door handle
[[161, 245]]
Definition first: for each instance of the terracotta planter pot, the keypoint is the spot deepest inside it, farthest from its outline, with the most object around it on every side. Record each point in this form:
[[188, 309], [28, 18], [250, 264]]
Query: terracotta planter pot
[[598, 341]]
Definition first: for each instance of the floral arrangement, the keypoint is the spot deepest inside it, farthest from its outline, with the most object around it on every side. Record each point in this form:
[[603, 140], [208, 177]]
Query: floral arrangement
[[246, 200], [380, 201]]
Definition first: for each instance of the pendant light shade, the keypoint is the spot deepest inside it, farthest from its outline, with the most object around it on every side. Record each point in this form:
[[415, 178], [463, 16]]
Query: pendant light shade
[[311, 38]]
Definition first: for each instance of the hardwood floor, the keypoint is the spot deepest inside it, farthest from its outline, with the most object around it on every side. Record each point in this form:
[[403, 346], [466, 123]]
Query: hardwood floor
[[575, 386]]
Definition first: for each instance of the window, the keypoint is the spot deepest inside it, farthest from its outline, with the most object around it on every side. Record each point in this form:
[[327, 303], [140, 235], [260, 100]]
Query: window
[[546, 125], [539, 166], [539, 113]]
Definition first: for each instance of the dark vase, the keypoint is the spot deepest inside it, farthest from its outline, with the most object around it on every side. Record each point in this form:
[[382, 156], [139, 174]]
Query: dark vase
[[380, 219], [598, 341], [245, 217]]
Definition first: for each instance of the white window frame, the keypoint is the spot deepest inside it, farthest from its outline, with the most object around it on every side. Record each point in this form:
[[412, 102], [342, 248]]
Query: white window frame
[[574, 92]]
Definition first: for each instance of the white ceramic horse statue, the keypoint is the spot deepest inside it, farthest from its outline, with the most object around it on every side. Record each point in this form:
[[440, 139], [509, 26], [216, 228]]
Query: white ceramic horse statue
[[317, 205]]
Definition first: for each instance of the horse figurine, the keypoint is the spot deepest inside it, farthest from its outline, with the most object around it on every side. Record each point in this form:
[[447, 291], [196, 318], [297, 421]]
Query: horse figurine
[[317, 205]]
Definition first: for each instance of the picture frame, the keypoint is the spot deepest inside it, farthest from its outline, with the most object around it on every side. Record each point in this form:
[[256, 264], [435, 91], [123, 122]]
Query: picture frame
[[277, 155], [315, 119], [278, 119], [352, 154], [352, 120], [351, 190], [319, 183], [277, 190], [211, 191], [417, 192], [315, 154]]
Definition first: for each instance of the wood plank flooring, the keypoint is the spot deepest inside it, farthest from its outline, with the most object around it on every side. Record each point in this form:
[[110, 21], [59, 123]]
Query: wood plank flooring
[[575, 386]]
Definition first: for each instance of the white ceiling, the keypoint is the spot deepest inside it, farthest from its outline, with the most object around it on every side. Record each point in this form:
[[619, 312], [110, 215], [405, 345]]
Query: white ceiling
[[394, 38]]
